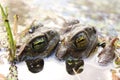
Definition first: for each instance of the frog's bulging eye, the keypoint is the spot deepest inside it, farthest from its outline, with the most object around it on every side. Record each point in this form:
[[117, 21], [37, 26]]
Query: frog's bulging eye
[[81, 40], [52, 33], [91, 30], [39, 44]]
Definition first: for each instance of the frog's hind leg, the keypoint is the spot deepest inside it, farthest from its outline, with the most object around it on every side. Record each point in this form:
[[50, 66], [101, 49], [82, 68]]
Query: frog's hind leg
[[35, 65]]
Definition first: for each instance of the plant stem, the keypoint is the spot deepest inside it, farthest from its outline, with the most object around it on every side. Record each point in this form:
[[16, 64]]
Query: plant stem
[[9, 34], [76, 74]]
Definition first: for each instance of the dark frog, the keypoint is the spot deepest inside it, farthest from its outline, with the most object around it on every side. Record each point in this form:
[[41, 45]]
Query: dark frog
[[77, 43], [40, 44]]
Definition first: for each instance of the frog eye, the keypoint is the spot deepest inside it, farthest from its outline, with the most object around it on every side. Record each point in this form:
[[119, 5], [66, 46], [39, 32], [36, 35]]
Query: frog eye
[[51, 32], [90, 30], [35, 65], [39, 44], [81, 41]]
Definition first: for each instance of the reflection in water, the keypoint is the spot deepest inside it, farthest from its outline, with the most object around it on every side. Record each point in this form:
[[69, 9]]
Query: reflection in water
[[18, 7]]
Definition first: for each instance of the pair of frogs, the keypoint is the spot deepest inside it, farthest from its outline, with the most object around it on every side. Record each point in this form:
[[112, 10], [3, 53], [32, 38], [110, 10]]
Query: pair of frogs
[[72, 44]]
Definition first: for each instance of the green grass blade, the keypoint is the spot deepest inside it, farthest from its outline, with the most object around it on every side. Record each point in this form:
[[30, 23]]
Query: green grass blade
[[12, 45]]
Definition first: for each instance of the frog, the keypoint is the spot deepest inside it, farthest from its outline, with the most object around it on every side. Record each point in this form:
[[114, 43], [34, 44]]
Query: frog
[[40, 43], [78, 42]]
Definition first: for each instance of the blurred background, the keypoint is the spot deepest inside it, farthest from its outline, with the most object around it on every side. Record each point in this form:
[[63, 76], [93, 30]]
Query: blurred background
[[87, 11], [104, 15]]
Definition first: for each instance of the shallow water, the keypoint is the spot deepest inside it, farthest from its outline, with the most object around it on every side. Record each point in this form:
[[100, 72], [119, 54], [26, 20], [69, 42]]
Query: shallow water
[[55, 70]]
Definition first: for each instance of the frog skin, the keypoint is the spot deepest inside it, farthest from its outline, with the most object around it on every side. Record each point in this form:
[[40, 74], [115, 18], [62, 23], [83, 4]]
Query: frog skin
[[40, 43], [40, 46], [77, 43]]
